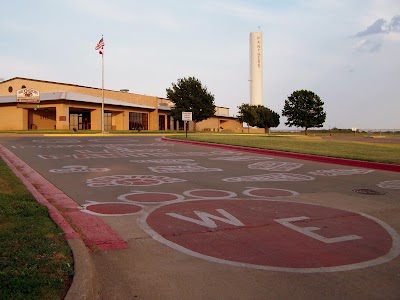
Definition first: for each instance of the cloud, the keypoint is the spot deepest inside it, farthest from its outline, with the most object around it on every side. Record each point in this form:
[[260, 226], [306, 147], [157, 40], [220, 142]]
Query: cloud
[[394, 25], [366, 45], [381, 26], [377, 27], [376, 34]]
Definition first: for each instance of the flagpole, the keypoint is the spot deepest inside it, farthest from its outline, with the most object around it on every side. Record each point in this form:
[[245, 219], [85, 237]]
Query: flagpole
[[100, 47], [102, 91]]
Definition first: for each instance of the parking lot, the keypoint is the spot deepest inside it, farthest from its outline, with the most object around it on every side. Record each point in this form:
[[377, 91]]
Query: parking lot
[[208, 223]]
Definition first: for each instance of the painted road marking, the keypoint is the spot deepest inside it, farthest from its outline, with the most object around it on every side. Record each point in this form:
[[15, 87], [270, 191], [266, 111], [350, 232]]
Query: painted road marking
[[268, 192], [114, 209], [270, 177], [107, 146], [209, 194], [275, 166], [206, 218], [261, 234], [112, 140], [126, 153], [391, 184], [183, 169], [340, 172], [308, 231], [78, 169], [171, 161], [51, 141], [150, 197], [241, 158], [55, 156], [131, 180]]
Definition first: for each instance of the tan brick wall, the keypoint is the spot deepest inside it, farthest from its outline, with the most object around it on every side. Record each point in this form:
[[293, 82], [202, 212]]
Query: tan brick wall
[[41, 119], [215, 124], [120, 120], [62, 110], [222, 111], [13, 118], [253, 130]]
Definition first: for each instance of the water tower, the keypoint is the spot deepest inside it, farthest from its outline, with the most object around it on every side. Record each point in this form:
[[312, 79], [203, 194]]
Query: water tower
[[256, 69]]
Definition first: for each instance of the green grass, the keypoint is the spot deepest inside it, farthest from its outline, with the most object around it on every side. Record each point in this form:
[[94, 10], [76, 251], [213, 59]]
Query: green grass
[[367, 151], [35, 260]]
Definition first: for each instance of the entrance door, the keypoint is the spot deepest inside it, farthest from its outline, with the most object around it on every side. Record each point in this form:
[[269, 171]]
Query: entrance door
[[161, 122], [80, 121]]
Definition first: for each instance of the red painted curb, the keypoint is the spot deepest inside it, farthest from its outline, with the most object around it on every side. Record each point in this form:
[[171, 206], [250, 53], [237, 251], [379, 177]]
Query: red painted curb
[[63, 210], [309, 157]]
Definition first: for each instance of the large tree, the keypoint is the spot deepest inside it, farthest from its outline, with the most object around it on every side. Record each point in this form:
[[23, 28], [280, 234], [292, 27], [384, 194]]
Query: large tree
[[189, 95], [266, 118], [247, 114], [304, 109], [258, 115]]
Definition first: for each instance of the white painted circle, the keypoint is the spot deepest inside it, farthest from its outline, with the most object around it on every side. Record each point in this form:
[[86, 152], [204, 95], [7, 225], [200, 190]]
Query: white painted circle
[[390, 255], [224, 194]]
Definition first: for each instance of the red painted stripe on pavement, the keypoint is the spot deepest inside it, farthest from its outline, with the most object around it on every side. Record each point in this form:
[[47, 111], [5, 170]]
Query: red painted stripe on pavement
[[309, 157], [63, 210]]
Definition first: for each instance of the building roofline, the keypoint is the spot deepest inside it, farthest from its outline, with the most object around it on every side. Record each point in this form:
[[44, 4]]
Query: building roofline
[[70, 84], [78, 97]]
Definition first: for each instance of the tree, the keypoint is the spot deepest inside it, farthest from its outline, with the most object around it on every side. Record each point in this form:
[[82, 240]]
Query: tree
[[266, 118], [258, 115], [189, 95], [247, 114], [304, 109]]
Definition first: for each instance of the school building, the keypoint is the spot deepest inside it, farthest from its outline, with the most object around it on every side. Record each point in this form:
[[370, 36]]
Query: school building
[[64, 106]]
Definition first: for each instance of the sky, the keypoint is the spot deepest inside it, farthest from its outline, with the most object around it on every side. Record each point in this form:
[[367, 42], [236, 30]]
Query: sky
[[345, 51]]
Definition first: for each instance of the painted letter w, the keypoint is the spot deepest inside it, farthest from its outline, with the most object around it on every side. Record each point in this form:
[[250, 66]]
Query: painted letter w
[[206, 218]]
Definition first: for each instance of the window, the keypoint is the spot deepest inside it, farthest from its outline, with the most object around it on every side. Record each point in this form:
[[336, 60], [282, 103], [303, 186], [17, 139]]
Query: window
[[10, 89], [138, 121]]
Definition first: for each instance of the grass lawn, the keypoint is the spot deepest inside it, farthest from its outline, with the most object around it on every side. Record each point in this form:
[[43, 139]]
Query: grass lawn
[[35, 260], [367, 151]]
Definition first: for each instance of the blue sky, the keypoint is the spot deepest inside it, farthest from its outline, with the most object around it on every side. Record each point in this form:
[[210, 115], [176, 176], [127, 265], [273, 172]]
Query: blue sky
[[346, 51]]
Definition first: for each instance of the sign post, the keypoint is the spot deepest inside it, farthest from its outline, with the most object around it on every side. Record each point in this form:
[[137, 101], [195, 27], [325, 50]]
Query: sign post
[[187, 117], [354, 130]]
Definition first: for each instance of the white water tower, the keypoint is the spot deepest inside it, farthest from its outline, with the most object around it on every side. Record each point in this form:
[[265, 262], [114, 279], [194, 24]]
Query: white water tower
[[256, 69]]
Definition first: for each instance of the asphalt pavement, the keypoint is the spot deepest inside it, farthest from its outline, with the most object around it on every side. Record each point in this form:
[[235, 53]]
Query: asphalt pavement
[[149, 218]]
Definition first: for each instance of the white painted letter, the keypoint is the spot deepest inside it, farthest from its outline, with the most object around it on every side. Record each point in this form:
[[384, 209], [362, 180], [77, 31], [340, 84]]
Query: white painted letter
[[308, 231], [206, 218]]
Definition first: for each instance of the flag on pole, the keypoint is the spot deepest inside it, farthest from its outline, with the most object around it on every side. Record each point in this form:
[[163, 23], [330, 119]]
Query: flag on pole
[[100, 46]]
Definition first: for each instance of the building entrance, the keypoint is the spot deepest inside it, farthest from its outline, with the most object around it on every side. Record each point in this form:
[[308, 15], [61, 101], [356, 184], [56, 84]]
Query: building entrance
[[80, 121]]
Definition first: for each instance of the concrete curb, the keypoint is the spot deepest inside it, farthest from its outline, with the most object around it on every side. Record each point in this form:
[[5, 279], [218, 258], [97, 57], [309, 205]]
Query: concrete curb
[[84, 282], [309, 157]]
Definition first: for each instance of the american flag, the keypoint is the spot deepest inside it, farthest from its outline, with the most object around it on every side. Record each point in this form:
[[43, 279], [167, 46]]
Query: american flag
[[100, 44]]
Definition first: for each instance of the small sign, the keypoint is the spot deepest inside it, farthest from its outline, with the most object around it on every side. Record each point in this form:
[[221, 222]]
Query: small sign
[[186, 116], [28, 96], [354, 129]]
